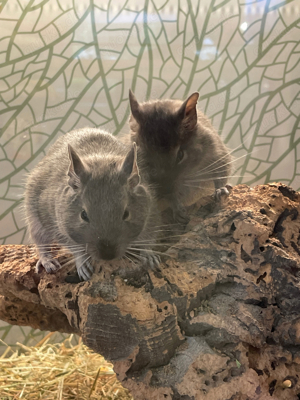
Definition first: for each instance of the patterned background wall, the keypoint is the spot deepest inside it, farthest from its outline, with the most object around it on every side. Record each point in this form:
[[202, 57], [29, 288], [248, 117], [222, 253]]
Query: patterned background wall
[[67, 64]]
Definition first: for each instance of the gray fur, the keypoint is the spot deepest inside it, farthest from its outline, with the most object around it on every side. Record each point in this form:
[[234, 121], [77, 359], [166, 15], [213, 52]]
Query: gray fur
[[163, 127], [89, 169]]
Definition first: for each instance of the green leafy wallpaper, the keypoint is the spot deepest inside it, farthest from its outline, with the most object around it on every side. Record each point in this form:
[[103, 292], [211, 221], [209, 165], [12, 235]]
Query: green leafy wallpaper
[[66, 64]]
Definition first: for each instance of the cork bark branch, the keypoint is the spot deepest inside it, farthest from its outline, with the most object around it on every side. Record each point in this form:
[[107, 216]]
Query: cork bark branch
[[219, 320]]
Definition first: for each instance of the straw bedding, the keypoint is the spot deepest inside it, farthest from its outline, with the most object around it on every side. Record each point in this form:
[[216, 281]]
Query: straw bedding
[[58, 371]]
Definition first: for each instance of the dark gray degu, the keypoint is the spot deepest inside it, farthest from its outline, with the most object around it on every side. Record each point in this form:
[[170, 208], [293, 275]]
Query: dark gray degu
[[98, 197]]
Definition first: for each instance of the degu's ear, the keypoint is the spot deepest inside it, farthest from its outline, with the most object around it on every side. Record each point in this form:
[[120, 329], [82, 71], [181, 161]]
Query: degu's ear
[[135, 107], [76, 169], [129, 169], [188, 111]]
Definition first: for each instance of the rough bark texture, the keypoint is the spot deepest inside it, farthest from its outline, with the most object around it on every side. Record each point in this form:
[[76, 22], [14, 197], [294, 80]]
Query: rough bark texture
[[220, 320]]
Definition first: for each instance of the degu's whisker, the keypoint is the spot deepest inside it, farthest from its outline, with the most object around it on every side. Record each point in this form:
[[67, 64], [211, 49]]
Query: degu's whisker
[[158, 245], [143, 241], [202, 170], [220, 177], [60, 249], [83, 252], [195, 186], [79, 254], [149, 240], [168, 225], [122, 260], [130, 259], [231, 162], [87, 259], [126, 258], [223, 165], [163, 230], [134, 255], [218, 168], [221, 158], [173, 236], [49, 246], [147, 244], [147, 251], [174, 247], [74, 247], [68, 262], [63, 252]]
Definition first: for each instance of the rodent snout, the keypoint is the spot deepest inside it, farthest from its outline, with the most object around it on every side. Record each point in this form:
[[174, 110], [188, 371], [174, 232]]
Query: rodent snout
[[108, 250]]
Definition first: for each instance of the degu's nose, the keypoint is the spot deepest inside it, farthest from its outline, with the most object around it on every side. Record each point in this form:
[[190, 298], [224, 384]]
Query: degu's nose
[[107, 250]]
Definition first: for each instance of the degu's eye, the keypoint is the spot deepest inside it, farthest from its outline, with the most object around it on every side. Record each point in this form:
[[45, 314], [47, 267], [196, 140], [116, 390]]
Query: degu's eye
[[126, 215], [180, 156], [84, 216]]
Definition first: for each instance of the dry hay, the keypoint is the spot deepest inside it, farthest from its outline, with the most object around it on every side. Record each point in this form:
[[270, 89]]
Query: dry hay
[[58, 371]]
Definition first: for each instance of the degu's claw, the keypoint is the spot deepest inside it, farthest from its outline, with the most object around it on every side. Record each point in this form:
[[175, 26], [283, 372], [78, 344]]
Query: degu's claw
[[180, 215], [151, 260], [50, 265], [38, 267], [223, 191], [182, 218], [85, 271], [90, 267]]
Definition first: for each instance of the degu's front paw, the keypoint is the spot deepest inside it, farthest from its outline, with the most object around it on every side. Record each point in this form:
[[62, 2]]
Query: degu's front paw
[[181, 216], [51, 265], [150, 260], [85, 270], [223, 191]]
